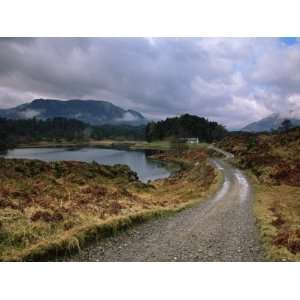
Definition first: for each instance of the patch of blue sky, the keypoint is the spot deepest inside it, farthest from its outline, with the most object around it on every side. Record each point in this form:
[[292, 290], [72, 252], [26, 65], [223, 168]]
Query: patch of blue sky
[[289, 40]]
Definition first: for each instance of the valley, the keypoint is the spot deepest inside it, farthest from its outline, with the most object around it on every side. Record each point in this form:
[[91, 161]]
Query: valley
[[66, 184]]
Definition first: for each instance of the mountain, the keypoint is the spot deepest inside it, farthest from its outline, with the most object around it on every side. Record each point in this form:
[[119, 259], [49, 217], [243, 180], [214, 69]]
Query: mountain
[[89, 111], [272, 121]]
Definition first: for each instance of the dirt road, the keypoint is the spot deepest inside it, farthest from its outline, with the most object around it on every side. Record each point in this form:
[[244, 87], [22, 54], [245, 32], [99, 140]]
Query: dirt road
[[221, 229]]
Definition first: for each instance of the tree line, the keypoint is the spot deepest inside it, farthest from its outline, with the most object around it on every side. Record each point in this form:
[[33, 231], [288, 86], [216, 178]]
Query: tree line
[[185, 126], [15, 132]]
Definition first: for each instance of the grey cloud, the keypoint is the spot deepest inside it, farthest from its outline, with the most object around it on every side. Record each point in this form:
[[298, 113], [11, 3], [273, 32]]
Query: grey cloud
[[29, 113], [234, 81]]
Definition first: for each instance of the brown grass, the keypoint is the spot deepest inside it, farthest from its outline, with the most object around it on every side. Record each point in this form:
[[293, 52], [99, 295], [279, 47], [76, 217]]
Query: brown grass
[[48, 209], [273, 163], [277, 209], [274, 158]]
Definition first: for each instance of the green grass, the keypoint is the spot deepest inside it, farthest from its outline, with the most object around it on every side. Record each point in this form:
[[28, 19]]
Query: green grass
[[157, 145], [131, 144]]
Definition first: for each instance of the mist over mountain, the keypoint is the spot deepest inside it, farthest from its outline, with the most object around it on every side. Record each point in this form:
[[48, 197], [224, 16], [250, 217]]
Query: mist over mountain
[[93, 112], [273, 121]]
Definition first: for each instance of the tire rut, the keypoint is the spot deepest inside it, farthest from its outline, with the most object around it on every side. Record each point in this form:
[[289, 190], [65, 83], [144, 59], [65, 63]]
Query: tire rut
[[221, 229]]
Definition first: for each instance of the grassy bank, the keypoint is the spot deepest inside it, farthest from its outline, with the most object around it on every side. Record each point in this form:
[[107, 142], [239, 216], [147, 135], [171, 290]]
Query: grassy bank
[[131, 145], [277, 209], [273, 163], [49, 209]]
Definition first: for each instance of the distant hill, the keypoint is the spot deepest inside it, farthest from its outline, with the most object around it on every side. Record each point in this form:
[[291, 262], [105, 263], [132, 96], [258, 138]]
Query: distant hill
[[273, 121], [93, 112]]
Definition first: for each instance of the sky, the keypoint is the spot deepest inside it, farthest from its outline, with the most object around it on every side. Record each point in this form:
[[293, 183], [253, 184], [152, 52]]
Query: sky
[[234, 81]]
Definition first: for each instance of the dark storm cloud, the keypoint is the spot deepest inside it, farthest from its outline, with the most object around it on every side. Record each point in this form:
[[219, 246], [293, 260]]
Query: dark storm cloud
[[234, 81]]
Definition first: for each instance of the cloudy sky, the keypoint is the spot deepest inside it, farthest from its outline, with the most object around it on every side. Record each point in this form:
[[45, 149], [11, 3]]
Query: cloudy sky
[[233, 81]]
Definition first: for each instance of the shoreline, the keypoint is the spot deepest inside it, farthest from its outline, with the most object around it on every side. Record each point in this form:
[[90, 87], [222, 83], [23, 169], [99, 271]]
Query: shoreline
[[171, 166], [163, 197], [114, 144]]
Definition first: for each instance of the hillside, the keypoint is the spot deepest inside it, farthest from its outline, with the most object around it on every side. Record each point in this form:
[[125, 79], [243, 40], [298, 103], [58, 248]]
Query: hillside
[[89, 111], [273, 162], [273, 158], [272, 122], [185, 126]]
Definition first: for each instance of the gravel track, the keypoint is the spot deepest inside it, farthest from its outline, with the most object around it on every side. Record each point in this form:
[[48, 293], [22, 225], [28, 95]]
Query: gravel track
[[221, 229]]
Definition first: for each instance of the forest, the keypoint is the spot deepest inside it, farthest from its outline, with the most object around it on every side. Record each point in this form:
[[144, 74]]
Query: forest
[[185, 126], [16, 132]]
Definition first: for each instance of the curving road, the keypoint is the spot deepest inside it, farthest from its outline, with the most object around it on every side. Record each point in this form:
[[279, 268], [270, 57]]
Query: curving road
[[221, 229], [226, 155]]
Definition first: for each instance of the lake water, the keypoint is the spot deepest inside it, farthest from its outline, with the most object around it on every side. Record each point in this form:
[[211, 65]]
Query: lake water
[[146, 168]]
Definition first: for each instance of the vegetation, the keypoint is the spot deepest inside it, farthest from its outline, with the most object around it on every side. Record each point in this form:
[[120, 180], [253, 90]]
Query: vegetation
[[118, 132], [183, 127], [178, 147], [278, 213], [273, 158], [155, 145], [63, 131], [59, 130], [56, 208], [14, 132], [286, 125], [274, 161]]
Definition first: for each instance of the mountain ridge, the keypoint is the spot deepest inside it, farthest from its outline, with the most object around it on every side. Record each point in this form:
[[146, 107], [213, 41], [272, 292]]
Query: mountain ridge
[[271, 122], [94, 112]]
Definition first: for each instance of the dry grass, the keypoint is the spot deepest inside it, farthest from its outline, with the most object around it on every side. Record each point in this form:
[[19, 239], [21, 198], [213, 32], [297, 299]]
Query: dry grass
[[274, 163], [277, 209], [273, 158], [51, 208]]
